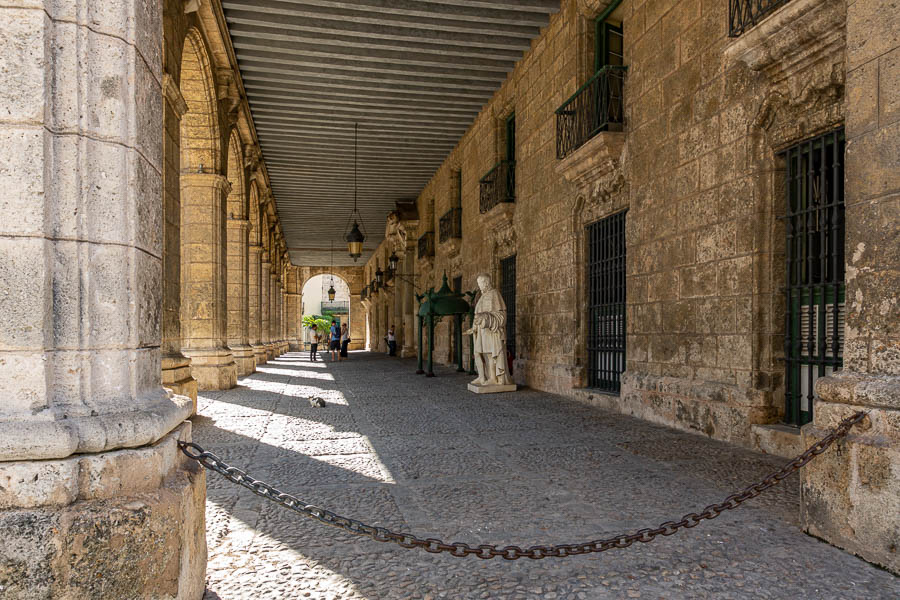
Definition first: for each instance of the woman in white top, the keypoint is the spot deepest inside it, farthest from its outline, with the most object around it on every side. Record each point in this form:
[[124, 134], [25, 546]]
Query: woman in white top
[[391, 342], [345, 341]]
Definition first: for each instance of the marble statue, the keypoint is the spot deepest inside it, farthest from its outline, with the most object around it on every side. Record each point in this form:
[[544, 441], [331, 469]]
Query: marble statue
[[489, 341]]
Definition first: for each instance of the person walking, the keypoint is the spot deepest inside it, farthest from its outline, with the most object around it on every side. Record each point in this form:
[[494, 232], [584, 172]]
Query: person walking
[[345, 340], [314, 344], [334, 339], [392, 342]]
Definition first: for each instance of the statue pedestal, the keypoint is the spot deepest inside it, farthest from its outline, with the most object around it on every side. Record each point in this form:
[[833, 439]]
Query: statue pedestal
[[492, 389]]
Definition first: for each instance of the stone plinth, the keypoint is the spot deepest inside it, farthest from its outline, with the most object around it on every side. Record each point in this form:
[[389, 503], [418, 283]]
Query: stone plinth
[[176, 376], [851, 495], [120, 524], [244, 359], [491, 389], [214, 368]]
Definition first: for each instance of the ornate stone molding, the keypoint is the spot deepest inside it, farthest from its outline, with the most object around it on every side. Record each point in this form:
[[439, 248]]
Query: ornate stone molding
[[596, 167], [173, 95], [791, 38]]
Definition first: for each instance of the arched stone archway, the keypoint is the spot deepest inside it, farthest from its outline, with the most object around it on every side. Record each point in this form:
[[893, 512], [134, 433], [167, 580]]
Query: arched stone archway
[[203, 241], [353, 276]]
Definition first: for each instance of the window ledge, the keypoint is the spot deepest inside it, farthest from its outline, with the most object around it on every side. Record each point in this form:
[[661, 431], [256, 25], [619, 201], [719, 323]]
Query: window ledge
[[596, 158], [791, 37], [451, 246]]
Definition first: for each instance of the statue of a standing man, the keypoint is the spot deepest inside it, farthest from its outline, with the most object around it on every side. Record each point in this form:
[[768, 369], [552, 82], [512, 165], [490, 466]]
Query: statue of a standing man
[[489, 341]]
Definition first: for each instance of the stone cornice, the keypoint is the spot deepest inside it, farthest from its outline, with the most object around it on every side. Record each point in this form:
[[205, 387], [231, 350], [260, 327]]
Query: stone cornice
[[791, 38], [173, 95]]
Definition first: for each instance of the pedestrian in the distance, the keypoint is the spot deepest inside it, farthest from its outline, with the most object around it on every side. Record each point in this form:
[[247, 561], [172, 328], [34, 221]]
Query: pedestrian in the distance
[[314, 345], [392, 342], [345, 340], [334, 340]]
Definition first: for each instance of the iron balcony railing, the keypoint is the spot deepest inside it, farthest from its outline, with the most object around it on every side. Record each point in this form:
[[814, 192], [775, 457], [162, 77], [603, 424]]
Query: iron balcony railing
[[426, 244], [744, 14], [597, 106], [498, 185], [451, 225]]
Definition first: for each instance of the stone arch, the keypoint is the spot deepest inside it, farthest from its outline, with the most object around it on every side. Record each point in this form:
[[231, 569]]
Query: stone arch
[[343, 287], [237, 206], [200, 141]]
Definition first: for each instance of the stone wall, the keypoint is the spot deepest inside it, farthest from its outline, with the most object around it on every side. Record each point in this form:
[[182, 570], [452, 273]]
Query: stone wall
[[697, 168]]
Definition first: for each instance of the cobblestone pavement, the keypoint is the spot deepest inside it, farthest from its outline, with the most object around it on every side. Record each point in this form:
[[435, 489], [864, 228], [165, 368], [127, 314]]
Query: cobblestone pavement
[[425, 456]]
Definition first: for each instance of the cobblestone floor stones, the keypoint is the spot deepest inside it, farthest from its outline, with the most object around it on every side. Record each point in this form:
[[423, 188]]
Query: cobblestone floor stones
[[425, 456]]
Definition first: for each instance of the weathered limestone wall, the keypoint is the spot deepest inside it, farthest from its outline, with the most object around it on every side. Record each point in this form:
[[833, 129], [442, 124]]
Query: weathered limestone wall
[[697, 169], [95, 498], [851, 498]]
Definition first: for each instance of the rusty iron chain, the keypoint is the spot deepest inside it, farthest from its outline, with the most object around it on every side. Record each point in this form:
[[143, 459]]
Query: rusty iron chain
[[487, 551]]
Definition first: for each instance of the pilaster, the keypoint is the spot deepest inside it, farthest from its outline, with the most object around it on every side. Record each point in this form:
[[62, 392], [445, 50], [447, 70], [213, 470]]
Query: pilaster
[[256, 305]]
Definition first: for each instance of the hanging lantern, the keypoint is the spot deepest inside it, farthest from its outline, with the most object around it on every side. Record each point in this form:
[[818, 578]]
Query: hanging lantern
[[355, 241], [379, 277], [355, 237], [331, 293], [393, 262]]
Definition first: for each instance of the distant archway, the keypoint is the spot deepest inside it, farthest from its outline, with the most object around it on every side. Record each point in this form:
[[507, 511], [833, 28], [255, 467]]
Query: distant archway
[[314, 300]]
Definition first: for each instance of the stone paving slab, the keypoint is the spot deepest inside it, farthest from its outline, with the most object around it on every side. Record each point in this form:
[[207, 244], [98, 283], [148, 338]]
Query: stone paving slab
[[425, 456]]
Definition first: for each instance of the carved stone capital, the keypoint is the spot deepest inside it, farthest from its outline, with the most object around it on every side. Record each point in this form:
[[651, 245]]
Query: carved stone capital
[[173, 95]]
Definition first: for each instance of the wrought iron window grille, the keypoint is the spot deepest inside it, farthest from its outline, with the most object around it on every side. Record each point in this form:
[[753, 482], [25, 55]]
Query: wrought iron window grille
[[814, 264], [745, 14], [508, 292], [451, 225], [498, 185], [426, 245], [606, 303], [597, 106]]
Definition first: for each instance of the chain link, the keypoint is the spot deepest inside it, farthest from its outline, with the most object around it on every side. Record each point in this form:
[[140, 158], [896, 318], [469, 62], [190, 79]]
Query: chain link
[[488, 551]]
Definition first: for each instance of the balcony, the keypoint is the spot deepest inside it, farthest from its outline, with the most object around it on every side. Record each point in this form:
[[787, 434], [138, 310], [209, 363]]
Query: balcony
[[744, 14], [498, 186], [426, 245], [597, 106], [336, 306], [451, 225]]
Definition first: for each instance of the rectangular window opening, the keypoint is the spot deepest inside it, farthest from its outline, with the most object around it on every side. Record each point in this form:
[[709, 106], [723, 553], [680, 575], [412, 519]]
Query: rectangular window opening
[[814, 263], [606, 303]]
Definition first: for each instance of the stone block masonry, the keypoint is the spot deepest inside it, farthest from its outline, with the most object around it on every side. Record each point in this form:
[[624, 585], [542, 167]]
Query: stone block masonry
[[698, 167]]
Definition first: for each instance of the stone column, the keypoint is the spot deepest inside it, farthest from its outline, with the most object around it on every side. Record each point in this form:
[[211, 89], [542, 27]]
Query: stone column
[[851, 495], [272, 346], [95, 498], [408, 304], [203, 277], [255, 306], [176, 367], [238, 295], [266, 289], [292, 310]]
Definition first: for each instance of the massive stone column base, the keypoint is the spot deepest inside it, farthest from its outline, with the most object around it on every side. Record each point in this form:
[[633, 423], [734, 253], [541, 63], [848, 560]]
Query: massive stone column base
[[407, 351], [850, 495], [176, 376], [120, 524], [295, 345], [245, 359], [270, 351], [213, 369], [259, 351]]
